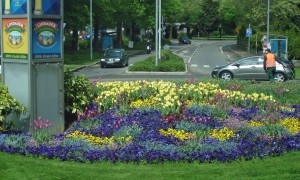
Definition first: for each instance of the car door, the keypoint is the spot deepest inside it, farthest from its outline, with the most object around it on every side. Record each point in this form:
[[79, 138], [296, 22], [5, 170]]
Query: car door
[[250, 68], [260, 72]]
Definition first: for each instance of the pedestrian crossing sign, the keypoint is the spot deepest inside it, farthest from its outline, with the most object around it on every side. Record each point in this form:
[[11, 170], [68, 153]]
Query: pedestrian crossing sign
[[248, 32]]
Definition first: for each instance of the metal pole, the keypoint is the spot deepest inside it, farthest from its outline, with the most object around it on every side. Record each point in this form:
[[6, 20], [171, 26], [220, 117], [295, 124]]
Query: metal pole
[[249, 41], [268, 22], [91, 28], [256, 43], [159, 30], [156, 34]]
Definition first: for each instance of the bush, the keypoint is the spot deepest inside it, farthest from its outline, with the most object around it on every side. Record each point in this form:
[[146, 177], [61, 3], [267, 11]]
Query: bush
[[171, 66], [83, 44], [166, 55], [146, 65], [77, 95], [169, 62], [8, 104]]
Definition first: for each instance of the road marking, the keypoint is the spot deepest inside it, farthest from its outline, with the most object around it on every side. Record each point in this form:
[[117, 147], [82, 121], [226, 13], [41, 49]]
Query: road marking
[[221, 49], [206, 66], [194, 65]]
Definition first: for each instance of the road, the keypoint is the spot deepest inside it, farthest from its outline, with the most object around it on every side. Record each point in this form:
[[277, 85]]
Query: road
[[200, 56]]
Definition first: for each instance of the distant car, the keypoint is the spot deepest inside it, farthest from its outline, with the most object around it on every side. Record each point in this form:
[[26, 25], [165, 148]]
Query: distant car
[[184, 40], [251, 68], [114, 57]]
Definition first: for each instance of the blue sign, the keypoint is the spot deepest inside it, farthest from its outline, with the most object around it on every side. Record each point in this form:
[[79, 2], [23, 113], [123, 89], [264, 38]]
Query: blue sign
[[46, 38], [14, 7], [248, 32], [46, 7]]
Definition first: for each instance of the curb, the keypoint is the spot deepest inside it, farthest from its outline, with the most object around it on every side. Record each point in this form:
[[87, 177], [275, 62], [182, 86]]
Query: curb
[[156, 73]]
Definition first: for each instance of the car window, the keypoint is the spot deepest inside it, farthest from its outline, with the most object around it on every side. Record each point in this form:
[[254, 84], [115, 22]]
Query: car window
[[250, 61], [113, 53], [260, 61]]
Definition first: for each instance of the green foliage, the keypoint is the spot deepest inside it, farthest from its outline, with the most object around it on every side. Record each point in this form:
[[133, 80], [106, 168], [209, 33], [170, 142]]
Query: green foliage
[[42, 137], [127, 131], [15, 141], [201, 130], [8, 104], [273, 129], [77, 93], [181, 34], [209, 17], [84, 44], [89, 124], [141, 45], [169, 62], [293, 44]]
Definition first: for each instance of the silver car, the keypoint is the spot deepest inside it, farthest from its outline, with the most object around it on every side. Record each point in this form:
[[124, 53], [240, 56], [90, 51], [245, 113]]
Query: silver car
[[251, 68]]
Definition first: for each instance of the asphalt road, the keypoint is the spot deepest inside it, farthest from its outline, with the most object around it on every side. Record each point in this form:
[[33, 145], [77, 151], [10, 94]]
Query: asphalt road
[[200, 57]]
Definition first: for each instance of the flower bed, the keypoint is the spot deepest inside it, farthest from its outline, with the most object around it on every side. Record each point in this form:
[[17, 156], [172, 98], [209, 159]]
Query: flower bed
[[154, 122]]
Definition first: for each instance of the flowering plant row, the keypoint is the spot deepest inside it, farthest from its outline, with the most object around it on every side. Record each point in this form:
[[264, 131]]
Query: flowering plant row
[[151, 122]]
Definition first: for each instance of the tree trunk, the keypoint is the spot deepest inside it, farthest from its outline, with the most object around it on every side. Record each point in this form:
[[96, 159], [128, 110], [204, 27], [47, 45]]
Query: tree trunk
[[119, 35], [132, 31], [74, 46], [171, 31]]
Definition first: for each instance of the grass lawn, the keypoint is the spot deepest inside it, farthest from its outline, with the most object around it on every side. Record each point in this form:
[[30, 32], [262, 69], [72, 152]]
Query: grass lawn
[[297, 70], [20, 167], [77, 59]]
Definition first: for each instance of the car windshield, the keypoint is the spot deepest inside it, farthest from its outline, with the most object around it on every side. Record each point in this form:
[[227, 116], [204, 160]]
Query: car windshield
[[113, 53]]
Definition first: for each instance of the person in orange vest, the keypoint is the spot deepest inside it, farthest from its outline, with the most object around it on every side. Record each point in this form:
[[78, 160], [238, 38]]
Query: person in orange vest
[[270, 64]]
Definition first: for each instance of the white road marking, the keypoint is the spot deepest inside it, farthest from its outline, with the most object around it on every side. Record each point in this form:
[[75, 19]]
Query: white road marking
[[206, 66], [194, 65]]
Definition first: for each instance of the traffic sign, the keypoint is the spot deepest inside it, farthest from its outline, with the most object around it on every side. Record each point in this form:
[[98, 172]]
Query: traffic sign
[[248, 32]]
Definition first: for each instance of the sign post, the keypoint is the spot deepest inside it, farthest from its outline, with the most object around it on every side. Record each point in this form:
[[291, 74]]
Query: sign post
[[249, 34], [32, 60]]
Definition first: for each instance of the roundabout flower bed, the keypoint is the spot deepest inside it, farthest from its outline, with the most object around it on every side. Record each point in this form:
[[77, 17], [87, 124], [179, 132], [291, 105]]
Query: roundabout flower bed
[[158, 121]]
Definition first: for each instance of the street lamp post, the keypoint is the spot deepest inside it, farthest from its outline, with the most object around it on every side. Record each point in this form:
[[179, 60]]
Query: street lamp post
[[91, 28], [268, 22], [157, 31]]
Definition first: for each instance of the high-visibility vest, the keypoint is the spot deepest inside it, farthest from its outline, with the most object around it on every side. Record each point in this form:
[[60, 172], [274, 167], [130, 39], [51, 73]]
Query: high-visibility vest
[[270, 62]]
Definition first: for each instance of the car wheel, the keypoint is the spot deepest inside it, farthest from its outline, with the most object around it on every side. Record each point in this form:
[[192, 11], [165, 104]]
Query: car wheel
[[102, 66], [279, 77], [225, 75]]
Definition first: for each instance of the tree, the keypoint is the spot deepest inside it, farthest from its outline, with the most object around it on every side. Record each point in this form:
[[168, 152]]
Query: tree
[[191, 13], [172, 11], [101, 18], [229, 16], [77, 22], [209, 16]]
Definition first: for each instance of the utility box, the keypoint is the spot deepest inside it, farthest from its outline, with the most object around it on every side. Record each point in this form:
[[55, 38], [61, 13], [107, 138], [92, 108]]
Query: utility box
[[32, 60], [107, 42]]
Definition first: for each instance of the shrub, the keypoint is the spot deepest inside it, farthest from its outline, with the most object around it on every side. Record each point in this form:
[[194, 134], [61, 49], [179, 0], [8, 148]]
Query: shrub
[[77, 94], [8, 104], [167, 55], [146, 65], [169, 62], [83, 44], [171, 66]]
